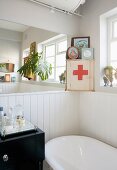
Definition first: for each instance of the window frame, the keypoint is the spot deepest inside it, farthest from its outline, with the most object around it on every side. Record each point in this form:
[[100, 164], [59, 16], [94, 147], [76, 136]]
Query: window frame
[[55, 42], [110, 37]]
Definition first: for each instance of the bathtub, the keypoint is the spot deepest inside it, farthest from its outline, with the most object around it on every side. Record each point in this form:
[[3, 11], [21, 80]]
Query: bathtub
[[80, 153]]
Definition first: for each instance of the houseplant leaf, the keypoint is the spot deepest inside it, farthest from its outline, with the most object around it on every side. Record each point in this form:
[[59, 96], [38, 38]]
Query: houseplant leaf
[[35, 65]]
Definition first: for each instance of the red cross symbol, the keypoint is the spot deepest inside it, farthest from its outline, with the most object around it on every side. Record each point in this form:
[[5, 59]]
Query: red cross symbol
[[80, 72]]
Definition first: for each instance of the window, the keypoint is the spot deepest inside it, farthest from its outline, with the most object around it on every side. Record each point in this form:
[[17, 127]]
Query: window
[[25, 54], [112, 42], [55, 53], [108, 50]]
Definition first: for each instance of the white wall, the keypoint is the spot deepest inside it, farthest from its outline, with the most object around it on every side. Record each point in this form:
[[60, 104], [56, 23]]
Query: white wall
[[98, 116], [10, 35], [97, 110], [31, 14], [35, 35], [10, 48], [89, 26]]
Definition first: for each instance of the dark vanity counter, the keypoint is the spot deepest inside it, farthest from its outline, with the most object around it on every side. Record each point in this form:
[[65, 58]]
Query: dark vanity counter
[[22, 151]]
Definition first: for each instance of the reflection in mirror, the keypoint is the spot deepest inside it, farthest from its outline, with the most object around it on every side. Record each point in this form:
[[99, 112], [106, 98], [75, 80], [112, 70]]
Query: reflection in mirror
[[15, 40], [6, 67]]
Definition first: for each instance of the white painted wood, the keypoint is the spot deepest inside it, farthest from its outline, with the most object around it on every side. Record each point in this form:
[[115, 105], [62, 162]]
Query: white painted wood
[[57, 113], [40, 110], [7, 88], [73, 83], [4, 102], [54, 112], [11, 101], [46, 117], [34, 104], [98, 116], [66, 113], [27, 107], [19, 100], [52, 115], [58, 124]]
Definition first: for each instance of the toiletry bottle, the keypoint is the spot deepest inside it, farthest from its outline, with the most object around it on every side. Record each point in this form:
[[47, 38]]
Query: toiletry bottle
[[1, 113], [11, 115], [4, 120]]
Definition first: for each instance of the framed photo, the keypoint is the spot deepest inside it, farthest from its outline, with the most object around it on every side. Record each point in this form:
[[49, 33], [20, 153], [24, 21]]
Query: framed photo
[[80, 42], [72, 53], [87, 53]]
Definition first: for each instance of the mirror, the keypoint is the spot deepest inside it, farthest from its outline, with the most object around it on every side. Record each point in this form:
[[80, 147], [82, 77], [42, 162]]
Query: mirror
[[15, 40]]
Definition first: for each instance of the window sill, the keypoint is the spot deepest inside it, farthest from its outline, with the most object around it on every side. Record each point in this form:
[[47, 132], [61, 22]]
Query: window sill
[[45, 83], [108, 89], [54, 84]]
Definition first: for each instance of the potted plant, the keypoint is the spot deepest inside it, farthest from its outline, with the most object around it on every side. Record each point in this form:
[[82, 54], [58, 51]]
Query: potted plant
[[108, 75], [62, 77], [34, 65]]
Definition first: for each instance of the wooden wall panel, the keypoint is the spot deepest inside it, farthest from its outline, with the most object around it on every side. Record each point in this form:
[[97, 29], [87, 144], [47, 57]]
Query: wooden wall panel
[[54, 112]]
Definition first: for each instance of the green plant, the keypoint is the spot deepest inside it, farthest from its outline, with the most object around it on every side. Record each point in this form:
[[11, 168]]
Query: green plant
[[35, 65], [2, 65], [108, 75], [62, 77], [44, 69]]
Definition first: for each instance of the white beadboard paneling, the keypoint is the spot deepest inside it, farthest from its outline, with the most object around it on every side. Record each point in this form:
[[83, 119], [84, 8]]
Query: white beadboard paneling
[[11, 101], [92, 114], [112, 120], [86, 113], [40, 110], [52, 115], [74, 111], [4, 102], [71, 103], [27, 107], [34, 109], [54, 112], [4, 89], [58, 113], [47, 117], [19, 99], [98, 116]]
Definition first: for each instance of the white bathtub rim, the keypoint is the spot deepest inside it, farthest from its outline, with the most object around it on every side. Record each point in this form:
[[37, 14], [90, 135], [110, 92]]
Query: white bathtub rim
[[57, 166], [82, 136]]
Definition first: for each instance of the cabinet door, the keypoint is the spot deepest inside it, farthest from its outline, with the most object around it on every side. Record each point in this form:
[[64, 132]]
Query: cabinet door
[[80, 74], [8, 160]]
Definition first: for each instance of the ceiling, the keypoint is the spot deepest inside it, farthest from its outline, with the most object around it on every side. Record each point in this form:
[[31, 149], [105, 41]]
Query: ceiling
[[67, 5], [12, 26]]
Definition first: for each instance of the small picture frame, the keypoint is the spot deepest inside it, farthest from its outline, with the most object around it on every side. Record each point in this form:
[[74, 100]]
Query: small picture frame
[[80, 42], [72, 53], [87, 53]]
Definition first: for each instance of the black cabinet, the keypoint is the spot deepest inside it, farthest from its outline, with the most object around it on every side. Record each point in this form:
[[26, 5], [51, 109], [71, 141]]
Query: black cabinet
[[24, 151]]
